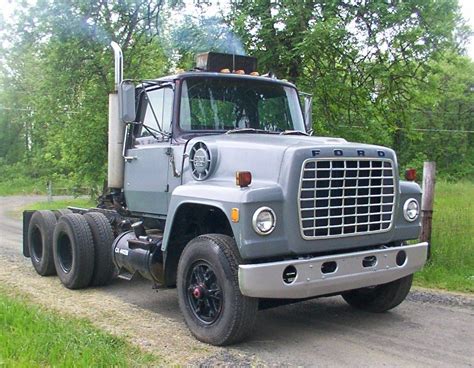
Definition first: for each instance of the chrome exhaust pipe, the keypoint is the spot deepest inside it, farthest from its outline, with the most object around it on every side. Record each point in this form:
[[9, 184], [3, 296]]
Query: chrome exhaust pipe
[[116, 127], [118, 64]]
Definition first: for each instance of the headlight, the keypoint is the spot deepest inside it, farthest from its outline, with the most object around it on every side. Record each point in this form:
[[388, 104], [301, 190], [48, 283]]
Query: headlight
[[411, 209], [263, 220]]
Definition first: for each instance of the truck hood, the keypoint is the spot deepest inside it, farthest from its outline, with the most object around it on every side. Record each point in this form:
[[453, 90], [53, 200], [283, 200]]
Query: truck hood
[[264, 155]]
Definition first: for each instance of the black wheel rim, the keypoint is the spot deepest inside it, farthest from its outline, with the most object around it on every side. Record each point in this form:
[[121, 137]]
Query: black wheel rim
[[204, 293], [65, 252], [37, 244]]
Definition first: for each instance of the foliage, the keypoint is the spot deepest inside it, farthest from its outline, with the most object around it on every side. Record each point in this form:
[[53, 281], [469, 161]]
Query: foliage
[[389, 73], [452, 263], [199, 34], [57, 73], [446, 103], [377, 70], [34, 337]]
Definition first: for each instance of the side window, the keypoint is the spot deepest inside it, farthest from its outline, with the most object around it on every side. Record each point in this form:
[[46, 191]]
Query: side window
[[159, 107]]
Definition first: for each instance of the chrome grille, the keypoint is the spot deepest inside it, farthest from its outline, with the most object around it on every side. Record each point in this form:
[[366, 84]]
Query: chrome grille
[[344, 197]]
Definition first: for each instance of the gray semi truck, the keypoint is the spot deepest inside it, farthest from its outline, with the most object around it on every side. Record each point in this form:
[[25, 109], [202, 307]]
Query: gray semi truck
[[217, 187]]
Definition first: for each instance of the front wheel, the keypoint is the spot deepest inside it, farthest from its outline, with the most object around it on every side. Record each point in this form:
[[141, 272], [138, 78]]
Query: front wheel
[[208, 289], [379, 298]]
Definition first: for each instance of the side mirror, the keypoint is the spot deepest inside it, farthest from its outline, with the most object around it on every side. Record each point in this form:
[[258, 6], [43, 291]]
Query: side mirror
[[126, 94], [308, 111]]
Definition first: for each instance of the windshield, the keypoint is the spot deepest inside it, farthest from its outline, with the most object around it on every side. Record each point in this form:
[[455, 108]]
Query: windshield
[[231, 103]]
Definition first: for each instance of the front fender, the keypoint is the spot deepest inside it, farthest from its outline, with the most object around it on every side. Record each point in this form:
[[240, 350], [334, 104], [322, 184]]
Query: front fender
[[224, 196], [403, 228]]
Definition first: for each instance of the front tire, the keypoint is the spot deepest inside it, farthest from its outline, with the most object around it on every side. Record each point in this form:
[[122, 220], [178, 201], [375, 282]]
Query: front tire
[[379, 298], [214, 309]]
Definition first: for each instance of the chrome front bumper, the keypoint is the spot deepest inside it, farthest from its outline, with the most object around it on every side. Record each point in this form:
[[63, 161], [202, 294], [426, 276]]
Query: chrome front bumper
[[265, 280]]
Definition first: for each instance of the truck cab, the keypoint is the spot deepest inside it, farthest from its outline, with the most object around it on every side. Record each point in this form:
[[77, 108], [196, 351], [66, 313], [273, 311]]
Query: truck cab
[[219, 187]]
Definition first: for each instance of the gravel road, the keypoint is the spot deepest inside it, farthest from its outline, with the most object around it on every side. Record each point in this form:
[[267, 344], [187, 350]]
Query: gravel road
[[429, 329]]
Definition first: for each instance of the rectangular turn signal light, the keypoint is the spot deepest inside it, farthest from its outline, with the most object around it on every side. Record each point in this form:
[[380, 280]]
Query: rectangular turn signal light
[[243, 178], [234, 215], [410, 175]]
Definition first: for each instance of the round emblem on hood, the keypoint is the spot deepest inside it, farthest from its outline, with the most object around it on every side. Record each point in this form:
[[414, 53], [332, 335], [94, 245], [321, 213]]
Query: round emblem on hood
[[200, 160]]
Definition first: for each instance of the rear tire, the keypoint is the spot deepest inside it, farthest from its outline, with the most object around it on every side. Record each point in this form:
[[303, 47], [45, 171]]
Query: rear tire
[[40, 242], [103, 237], [73, 251], [62, 212], [379, 298], [214, 309]]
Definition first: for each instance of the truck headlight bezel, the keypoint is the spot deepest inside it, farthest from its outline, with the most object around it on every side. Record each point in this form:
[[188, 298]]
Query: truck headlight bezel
[[258, 220], [411, 210]]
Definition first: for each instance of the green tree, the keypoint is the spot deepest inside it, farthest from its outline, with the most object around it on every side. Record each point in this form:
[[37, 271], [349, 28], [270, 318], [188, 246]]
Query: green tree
[[58, 71], [366, 62]]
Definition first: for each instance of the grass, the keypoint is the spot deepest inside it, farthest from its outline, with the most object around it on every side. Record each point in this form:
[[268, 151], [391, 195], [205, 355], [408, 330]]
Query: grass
[[21, 186], [55, 204], [451, 266], [31, 336], [62, 203]]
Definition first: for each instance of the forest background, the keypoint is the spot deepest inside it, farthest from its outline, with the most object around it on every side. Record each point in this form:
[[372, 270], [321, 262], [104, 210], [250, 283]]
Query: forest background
[[393, 73]]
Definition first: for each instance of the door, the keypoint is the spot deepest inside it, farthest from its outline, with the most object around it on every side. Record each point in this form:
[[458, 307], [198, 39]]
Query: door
[[147, 163]]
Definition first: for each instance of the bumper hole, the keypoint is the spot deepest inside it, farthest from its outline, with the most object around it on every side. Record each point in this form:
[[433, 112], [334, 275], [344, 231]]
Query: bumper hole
[[328, 267], [289, 274], [369, 261], [401, 258]]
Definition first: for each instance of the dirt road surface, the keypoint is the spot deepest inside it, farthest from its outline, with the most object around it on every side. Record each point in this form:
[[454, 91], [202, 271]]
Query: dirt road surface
[[430, 329]]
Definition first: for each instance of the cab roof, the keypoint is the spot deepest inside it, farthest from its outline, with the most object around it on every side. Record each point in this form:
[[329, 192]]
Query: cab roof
[[200, 74]]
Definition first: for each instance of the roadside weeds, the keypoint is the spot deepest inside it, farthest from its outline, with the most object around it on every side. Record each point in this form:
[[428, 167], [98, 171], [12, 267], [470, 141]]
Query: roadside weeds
[[151, 332]]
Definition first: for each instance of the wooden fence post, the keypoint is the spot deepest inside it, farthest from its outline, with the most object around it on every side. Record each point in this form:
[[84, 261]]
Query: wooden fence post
[[50, 191], [429, 178]]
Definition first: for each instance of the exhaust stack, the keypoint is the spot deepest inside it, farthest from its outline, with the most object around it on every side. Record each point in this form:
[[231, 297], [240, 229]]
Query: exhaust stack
[[116, 127], [118, 69]]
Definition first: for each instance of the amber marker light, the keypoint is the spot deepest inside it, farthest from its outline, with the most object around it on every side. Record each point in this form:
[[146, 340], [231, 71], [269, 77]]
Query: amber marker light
[[243, 178], [240, 71], [234, 215], [255, 74], [410, 175], [225, 70]]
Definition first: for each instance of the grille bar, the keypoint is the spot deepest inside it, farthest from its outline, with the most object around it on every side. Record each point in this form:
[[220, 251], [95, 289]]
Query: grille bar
[[344, 197]]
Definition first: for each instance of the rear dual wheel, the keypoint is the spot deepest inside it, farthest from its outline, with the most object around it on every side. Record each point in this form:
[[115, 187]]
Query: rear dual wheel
[[82, 247], [73, 250], [40, 242], [61, 212], [76, 247], [103, 238]]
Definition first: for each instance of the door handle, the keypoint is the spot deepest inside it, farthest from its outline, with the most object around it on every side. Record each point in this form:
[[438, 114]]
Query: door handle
[[129, 158]]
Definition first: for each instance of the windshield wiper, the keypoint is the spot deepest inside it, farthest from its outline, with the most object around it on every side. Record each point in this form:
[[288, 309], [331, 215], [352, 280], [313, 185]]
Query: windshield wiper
[[293, 132], [248, 130]]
